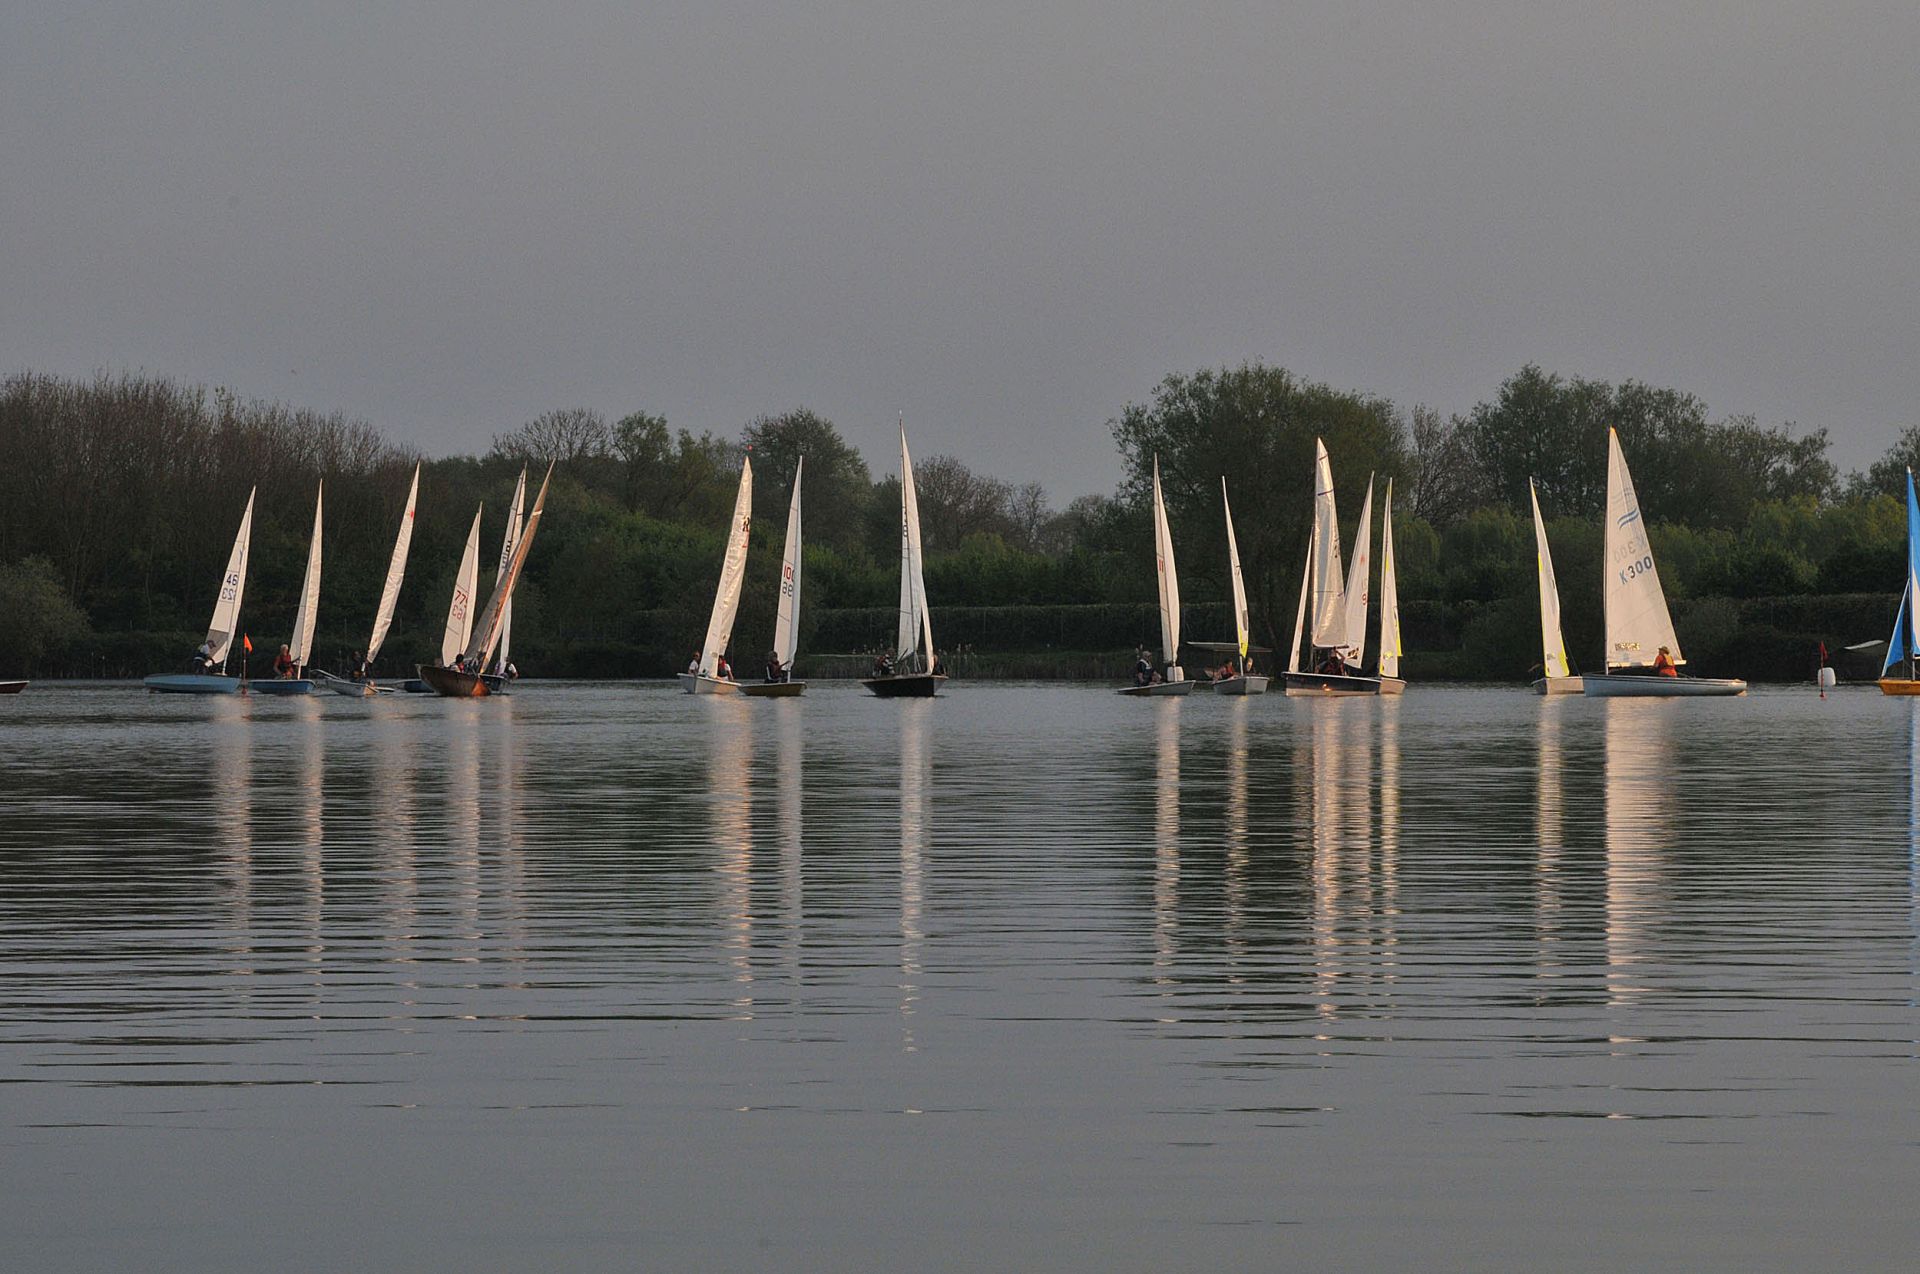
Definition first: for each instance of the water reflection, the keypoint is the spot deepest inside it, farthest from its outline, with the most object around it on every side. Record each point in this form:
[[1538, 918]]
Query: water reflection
[[1639, 824], [1166, 838], [1237, 864], [1549, 833], [913, 847], [729, 776], [232, 779]]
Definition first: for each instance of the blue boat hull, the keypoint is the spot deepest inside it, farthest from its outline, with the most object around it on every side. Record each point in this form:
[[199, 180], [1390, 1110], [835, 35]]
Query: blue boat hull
[[192, 683], [282, 686]]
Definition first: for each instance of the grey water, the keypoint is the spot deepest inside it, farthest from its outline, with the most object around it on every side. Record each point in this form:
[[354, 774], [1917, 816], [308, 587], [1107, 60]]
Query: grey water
[[1025, 977]]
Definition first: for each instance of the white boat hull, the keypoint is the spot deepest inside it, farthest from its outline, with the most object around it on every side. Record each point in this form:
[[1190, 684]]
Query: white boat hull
[[348, 687], [1393, 685], [1254, 685], [1558, 685], [1631, 687], [697, 684], [1160, 688]]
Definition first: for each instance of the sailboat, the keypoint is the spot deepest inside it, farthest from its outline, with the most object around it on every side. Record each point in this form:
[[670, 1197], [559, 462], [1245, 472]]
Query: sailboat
[[1558, 678], [916, 672], [1898, 676], [1245, 681], [223, 629], [466, 583], [1173, 681], [486, 632], [305, 614], [706, 678], [1639, 626], [786, 619], [1331, 611], [1391, 682], [362, 684]]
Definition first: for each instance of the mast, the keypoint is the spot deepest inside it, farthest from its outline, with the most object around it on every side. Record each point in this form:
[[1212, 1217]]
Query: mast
[[1241, 619], [308, 611], [487, 633], [1390, 650], [460, 610], [733, 570], [233, 586], [506, 555], [1553, 645], [786, 619], [396, 571], [916, 623], [1359, 576], [1329, 586], [1300, 615], [1167, 576]]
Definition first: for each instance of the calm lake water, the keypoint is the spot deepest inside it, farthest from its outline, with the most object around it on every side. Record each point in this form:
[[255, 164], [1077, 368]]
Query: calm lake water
[[1024, 977]]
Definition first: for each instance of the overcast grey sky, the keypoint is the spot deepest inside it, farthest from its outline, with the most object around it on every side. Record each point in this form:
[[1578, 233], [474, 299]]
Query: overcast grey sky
[[1006, 220]]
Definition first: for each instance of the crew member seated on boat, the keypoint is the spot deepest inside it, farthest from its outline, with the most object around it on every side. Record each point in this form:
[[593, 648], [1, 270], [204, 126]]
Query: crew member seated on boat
[[693, 665], [1224, 672], [203, 659], [1333, 665], [357, 667], [722, 669], [776, 671], [283, 664], [883, 666], [510, 672], [1664, 665], [1143, 673], [939, 665]]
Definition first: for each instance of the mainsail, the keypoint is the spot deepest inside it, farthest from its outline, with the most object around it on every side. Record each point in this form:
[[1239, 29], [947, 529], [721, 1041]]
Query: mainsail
[[1390, 651], [1164, 570], [307, 613], [396, 571], [786, 618], [733, 570], [1241, 619], [460, 609], [1551, 640], [506, 555], [226, 608], [1905, 642], [1638, 623], [1300, 616], [486, 634], [1329, 586], [916, 624], [1359, 574]]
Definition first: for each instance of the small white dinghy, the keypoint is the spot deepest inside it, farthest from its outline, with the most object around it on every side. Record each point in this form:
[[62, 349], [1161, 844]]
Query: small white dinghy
[[1168, 679], [916, 673], [706, 678], [1639, 625], [305, 615], [1244, 680], [786, 618], [223, 629], [365, 687], [1332, 610], [1391, 682], [1558, 680]]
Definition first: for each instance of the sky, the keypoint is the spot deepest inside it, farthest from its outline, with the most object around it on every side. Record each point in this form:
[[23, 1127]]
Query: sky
[[1005, 220]]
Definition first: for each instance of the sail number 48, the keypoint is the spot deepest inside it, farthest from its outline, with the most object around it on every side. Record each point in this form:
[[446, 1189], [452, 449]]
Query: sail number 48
[[1633, 569]]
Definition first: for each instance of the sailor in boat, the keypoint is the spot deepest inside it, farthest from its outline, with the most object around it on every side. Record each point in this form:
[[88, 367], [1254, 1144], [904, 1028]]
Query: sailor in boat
[[1143, 669], [776, 672], [1663, 663], [722, 669], [357, 667], [203, 659], [939, 665], [283, 664], [693, 665], [883, 666], [510, 672]]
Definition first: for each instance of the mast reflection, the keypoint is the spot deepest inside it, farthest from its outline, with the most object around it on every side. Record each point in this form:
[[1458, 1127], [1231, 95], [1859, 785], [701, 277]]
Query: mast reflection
[[792, 879], [1549, 833], [913, 848], [232, 773], [1166, 839], [1237, 856], [1639, 824], [729, 778]]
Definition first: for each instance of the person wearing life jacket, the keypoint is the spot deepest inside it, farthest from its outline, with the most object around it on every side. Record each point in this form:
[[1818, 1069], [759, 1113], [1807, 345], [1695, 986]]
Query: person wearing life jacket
[[1664, 665], [283, 664]]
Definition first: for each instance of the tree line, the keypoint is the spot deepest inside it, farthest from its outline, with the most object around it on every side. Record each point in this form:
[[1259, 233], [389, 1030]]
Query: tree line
[[123, 491]]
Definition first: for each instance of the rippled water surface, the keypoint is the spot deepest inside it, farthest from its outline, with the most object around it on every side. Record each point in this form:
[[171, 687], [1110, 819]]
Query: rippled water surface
[[1024, 977]]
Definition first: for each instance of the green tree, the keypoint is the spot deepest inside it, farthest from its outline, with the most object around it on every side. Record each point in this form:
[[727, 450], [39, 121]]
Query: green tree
[[36, 615], [836, 487]]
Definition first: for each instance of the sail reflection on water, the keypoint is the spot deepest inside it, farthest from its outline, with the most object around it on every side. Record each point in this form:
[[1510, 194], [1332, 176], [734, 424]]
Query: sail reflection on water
[[232, 778], [913, 847], [1237, 866], [392, 808], [1166, 839], [729, 778], [1549, 832], [313, 839], [460, 783], [1639, 828], [791, 756]]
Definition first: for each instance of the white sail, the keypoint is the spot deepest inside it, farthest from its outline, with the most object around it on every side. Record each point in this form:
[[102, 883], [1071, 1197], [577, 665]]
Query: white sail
[[733, 570], [307, 613], [1300, 616], [786, 619], [1168, 577], [1638, 623], [396, 571], [460, 610], [1359, 575], [233, 585], [916, 624], [1390, 651], [486, 634], [506, 555], [1242, 621], [1329, 585], [1554, 646]]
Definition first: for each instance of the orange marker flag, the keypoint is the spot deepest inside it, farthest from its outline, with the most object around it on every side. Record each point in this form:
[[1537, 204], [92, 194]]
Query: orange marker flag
[[246, 643]]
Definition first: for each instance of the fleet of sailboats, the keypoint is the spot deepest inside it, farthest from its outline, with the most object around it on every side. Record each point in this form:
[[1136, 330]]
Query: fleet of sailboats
[[464, 680], [914, 670]]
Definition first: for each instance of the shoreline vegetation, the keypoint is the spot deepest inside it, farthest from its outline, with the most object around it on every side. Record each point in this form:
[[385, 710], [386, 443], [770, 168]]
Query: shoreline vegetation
[[119, 501]]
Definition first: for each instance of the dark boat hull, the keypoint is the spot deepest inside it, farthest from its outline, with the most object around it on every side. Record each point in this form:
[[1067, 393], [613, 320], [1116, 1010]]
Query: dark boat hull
[[917, 685], [1328, 683], [12, 687], [454, 684]]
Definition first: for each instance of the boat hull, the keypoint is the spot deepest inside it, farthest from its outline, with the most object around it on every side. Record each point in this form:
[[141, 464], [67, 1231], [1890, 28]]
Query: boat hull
[[913, 685], [1330, 683], [348, 687], [1393, 685], [1631, 687], [1161, 688], [1899, 686], [455, 684], [282, 686], [1255, 685], [772, 689], [700, 684], [1558, 686], [12, 687], [193, 683]]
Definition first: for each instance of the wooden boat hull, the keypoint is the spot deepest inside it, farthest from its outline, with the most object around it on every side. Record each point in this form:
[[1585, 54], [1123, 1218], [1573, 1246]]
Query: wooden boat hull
[[12, 687], [1558, 686], [1254, 685], [1633, 687], [772, 689], [282, 686], [912, 685], [1329, 683], [700, 684], [193, 683], [1161, 688], [1899, 686], [1393, 685], [455, 684]]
